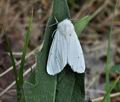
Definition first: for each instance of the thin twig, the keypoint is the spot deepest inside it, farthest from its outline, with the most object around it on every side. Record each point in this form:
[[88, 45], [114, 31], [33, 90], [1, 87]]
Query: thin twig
[[7, 88], [13, 83], [96, 91], [85, 7], [100, 8], [92, 82], [15, 53], [101, 98], [107, 20], [27, 56]]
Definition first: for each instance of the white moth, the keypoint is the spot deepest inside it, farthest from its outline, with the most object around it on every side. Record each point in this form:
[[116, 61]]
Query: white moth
[[65, 49]]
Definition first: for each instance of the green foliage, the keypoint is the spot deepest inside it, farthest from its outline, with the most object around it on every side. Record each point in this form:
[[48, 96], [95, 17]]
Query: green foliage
[[64, 87], [26, 41], [14, 66], [81, 24], [115, 69], [19, 76], [117, 87], [108, 87]]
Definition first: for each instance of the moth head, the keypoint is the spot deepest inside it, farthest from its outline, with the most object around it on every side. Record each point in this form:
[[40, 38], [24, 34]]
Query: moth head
[[65, 27]]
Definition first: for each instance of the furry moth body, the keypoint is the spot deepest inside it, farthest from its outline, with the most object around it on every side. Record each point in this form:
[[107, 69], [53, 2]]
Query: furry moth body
[[65, 49]]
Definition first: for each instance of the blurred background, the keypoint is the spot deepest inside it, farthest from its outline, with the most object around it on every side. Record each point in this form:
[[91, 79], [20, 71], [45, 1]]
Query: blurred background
[[14, 16]]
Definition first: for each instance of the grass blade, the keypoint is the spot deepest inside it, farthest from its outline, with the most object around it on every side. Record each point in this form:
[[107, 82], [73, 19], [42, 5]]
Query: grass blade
[[14, 66], [27, 35], [11, 56], [108, 64]]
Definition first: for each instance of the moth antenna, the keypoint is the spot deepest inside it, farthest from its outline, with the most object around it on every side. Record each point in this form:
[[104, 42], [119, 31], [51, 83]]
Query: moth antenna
[[53, 33], [74, 20], [54, 23], [56, 20]]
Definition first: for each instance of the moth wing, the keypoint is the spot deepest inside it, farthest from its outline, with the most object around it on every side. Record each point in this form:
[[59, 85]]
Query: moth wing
[[75, 54], [57, 58]]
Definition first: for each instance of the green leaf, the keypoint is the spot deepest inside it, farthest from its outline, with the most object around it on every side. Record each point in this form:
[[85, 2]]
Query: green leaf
[[67, 86], [32, 77], [81, 24], [116, 69], [117, 87], [60, 10], [78, 94], [44, 90]]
